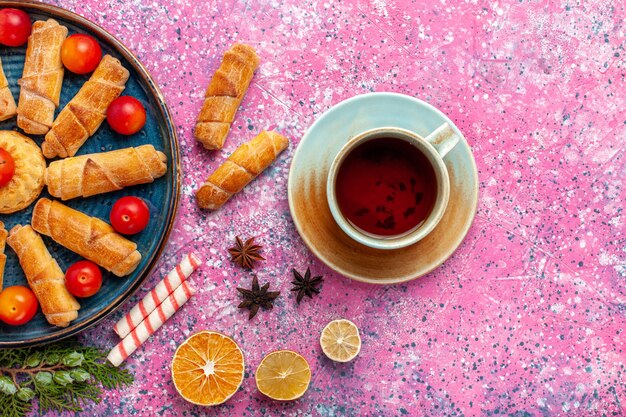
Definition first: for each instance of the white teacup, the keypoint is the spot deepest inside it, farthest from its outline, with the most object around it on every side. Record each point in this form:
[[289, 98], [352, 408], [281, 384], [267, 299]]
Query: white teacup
[[434, 148]]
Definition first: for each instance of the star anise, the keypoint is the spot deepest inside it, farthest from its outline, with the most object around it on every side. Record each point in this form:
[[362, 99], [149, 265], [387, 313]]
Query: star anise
[[257, 297], [305, 285], [245, 254]]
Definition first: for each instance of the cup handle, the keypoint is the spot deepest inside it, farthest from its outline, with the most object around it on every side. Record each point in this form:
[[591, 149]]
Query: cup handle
[[444, 138]]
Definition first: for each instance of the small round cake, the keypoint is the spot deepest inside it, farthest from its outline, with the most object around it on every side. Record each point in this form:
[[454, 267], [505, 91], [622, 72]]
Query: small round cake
[[30, 166]]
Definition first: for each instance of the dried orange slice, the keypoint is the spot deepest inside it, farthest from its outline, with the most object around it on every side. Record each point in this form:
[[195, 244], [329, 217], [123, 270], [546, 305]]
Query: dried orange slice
[[340, 340], [283, 375], [207, 368]]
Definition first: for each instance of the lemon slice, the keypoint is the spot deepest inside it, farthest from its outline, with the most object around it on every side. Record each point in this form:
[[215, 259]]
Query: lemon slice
[[340, 340], [207, 368], [283, 375]]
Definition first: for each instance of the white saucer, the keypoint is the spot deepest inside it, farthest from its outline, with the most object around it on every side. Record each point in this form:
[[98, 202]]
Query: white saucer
[[307, 190]]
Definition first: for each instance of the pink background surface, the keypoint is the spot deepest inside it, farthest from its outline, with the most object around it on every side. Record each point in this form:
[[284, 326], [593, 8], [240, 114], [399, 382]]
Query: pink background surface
[[525, 319]]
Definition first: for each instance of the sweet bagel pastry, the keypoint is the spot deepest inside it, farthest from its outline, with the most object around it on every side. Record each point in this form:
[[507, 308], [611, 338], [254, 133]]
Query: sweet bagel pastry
[[86, 111], [87, 236], [44, 276], [224, 94], [30, 166], [241, 167], [8, 108], [42, 78], [87, 175]]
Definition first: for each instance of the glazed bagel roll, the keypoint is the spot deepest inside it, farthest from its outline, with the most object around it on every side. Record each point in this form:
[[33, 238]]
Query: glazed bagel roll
[[224, 95], [3, 257], [86, 111], [241, 167], [44, 276], [87, 175], [8, 108], [42, 78], [88, 236]]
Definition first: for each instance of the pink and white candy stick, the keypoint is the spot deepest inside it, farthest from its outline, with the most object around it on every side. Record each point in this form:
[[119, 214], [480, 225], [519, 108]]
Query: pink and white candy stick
[[151, 324], [165, 287]]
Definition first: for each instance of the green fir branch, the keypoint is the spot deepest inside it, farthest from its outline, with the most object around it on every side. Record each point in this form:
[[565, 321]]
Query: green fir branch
[[63, 376], [95, 364], [12, 406]]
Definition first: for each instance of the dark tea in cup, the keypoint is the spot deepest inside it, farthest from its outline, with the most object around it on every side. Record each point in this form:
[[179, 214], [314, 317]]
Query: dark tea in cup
[[386, 187]]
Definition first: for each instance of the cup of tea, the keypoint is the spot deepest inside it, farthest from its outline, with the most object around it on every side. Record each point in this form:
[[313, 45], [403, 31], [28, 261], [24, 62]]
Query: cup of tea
[[388, 187]]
